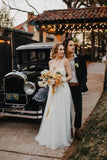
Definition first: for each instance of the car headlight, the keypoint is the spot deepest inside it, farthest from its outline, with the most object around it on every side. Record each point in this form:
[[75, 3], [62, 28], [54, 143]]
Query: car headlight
[[29, 88]]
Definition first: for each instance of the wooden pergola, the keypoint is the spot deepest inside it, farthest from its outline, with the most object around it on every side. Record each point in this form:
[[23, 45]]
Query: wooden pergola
[[59, 22]]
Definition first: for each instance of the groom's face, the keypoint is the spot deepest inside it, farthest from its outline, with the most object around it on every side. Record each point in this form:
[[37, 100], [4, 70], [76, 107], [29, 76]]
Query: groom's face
[[70, 47]]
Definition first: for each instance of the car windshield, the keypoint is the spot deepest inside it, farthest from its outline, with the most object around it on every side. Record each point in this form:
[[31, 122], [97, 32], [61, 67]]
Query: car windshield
[[29, 59]]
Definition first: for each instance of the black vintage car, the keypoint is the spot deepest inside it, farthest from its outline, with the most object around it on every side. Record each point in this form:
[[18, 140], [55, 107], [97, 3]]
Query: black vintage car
[[22, 95]]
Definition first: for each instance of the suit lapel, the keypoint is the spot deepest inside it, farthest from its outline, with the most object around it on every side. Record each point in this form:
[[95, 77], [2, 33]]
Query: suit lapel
[[76, 60], [77, 67]]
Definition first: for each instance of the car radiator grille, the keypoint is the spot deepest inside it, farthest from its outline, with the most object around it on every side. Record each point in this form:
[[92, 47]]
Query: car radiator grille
[[14, 92]]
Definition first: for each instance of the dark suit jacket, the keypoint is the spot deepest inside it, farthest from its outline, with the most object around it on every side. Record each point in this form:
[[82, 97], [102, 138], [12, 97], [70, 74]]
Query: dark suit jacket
[[81, 69]]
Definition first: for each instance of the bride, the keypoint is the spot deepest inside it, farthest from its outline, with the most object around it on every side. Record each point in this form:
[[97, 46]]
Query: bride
[[55, 129]]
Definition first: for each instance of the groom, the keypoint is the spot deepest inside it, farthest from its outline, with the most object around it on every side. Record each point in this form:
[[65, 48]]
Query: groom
[[79, 75]]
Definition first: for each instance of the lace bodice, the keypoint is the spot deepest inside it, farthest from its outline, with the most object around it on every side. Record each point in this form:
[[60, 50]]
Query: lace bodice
[[58, 68]]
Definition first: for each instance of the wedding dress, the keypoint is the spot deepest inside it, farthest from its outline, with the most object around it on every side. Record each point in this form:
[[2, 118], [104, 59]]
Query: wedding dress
[[55, 129]]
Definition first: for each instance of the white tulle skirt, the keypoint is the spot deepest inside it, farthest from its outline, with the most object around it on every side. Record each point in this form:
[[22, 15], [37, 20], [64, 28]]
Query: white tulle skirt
[[55, 129]]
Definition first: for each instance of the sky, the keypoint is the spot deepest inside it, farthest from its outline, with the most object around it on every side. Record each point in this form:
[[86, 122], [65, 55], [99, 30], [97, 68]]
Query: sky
[[40, 5]]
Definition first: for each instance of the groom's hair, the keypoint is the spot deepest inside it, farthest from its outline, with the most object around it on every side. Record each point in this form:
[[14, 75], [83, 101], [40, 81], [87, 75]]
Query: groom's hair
[[65, 43]]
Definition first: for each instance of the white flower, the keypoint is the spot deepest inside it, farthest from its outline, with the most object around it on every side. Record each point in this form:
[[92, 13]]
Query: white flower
[[44, 71], [76, 65], [42, 84], [52, 81]]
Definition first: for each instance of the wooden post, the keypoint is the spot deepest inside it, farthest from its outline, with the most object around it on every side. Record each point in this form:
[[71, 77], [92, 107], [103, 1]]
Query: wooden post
[[44, 36], [98, 43], [83, 51], [40, 36], [93, 44]]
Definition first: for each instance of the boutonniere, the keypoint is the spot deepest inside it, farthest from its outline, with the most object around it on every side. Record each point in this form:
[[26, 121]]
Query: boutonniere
[[76, 65]]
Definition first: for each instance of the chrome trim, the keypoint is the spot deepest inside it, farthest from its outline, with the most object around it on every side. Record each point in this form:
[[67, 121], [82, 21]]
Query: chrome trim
[[20, 116], [17, 74], [20, 113], [23, 111]]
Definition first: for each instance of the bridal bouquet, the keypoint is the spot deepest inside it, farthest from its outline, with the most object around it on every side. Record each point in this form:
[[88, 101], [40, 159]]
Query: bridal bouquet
[[51, 78]]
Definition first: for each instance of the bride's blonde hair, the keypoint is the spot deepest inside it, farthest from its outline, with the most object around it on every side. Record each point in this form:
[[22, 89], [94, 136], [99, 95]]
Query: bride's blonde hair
[[54, 49]]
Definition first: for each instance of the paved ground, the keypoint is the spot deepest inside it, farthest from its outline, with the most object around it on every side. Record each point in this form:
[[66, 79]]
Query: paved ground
[[17, 135]]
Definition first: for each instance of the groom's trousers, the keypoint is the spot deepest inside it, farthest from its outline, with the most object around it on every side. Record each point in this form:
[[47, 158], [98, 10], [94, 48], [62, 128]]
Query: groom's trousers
[[77, 100]]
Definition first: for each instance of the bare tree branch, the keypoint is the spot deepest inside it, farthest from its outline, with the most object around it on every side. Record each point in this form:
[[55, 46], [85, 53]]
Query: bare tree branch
[[14, 15], [69, 3], [78, 4], [82, 4], [13, 8], [31, 6], [8, 2], [75, 4]]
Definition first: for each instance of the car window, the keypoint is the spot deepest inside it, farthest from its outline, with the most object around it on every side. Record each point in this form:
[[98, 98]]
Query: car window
[[33, 56], [23, 58], [41, 55], [33, 59]]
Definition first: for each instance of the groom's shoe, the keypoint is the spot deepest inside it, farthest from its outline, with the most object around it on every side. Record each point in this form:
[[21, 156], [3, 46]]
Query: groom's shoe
[[78, 134]]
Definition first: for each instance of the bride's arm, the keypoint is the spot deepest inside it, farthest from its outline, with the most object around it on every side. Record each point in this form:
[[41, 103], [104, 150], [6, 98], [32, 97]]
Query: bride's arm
[[68, 70], [50, 64]]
